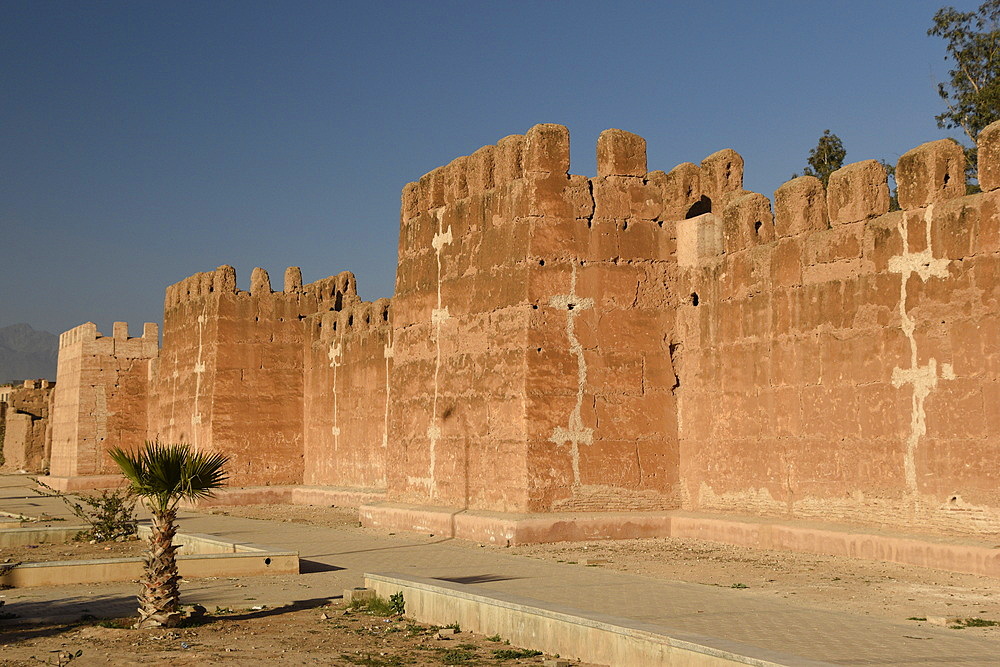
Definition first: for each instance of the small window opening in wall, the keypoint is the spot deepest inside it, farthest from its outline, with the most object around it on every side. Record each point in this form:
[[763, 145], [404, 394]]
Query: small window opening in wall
[[385, 315], [350, 320], [267, 561], [947, 177], [538, 349], [700, 207], [757, 225], [534, 306], [368, 319], [625, 225], [694, 298]]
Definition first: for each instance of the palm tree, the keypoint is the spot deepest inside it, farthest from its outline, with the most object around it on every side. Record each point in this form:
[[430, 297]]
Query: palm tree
[[163, 475]]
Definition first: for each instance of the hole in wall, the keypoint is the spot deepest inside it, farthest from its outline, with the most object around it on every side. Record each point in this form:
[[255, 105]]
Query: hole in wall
[[590, 223], [267, 561], [694, 298], [570, 306], [385, 315], [659, 223], [534, 306], [541, 262], [350, 320], [625, 225], [700, 207], [757, 225], [947, 177], [538, 349], [338, 303]]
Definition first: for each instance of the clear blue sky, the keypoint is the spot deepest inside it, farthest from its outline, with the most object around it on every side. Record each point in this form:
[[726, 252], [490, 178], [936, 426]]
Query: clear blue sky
[[141, 142]]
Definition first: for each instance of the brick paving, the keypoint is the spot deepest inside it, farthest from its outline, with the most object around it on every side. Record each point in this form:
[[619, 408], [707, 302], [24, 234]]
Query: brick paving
[[335, 559]]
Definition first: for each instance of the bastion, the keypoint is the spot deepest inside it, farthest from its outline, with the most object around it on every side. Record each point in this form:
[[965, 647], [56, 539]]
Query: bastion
[[567, 357]]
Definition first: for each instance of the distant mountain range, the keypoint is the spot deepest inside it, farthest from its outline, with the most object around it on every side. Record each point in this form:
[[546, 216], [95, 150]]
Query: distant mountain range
[[26, 354]]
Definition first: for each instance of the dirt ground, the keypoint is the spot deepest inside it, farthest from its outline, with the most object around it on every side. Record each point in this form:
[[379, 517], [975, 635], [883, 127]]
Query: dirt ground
[[324, 634], [46, 552], [887, 590], [304, 636]]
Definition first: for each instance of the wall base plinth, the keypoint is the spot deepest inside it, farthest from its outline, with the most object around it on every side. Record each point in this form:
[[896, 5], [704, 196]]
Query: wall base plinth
[[512, 529], [83, 482]]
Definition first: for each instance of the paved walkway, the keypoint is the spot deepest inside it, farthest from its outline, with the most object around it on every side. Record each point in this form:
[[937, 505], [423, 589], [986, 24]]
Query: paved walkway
[[334, 559]]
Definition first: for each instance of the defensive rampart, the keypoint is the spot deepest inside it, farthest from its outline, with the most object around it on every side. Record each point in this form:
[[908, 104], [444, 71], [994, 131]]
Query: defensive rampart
[[639, 341]]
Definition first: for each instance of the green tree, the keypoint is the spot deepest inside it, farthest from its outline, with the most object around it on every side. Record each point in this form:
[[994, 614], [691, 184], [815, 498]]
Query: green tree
[[826, 158], [163, 475], [972, 93]]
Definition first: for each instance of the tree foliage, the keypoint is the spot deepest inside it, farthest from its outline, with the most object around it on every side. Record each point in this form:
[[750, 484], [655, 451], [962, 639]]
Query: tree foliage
[[826, 158], [972, 92]]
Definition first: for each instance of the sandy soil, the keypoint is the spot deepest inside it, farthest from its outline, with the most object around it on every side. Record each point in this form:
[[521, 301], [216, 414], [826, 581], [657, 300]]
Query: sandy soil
[[888, 590], [41, 553], [327, 635]]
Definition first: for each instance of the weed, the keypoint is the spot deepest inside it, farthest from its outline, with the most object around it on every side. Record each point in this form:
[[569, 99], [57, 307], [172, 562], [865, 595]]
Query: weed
[[397, 603], [739, 586], [370, 660], [917, 618], [110, 515], [376, 606], [514, 653], [454, 626], [116, 623], [974, 623], [457, 656], [494, 638]]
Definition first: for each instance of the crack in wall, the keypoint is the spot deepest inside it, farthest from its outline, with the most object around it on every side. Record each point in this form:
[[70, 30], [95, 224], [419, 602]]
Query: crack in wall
[[199, 370], [387, 353], [438, 317], [924, 378], [574, 432], [334, 356]]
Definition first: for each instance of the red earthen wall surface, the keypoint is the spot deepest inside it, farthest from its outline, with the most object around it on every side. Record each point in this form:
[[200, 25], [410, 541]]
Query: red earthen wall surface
[[639, 340], [103, 401], [347, 364], [841, 362]]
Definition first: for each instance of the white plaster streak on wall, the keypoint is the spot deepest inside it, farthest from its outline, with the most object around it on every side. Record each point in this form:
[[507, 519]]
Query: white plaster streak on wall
[[334, 356], [387, 354], [438, 317], [199, 370], [924, 378], [575, 432]]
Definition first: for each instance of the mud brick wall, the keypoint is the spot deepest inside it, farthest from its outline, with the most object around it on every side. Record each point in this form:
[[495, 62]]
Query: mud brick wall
[[24, 416], [100, 398], [533, 325], [229, 377], [840, 361], [347, 365]]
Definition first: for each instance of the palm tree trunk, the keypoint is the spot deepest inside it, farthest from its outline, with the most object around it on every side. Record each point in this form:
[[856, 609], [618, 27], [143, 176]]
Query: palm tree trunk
[[159, 597]]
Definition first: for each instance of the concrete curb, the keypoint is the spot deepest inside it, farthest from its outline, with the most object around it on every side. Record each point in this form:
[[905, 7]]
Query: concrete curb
[[552, 628]]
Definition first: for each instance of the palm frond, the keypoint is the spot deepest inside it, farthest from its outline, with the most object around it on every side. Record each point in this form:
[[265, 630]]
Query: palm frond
[[167, 473]]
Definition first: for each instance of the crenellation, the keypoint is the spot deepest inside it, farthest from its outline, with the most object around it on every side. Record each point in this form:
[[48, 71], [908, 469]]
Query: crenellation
[[722, 177], [988, 156], [224, 280], [857, 191], [620, 153], [260, 283], [120, 331], [680, 192], [508, 160], [546, 150], [747, 221], [800, 207], [930, 173], [293, 280], [455, 184], [409, 203], [479, 178]]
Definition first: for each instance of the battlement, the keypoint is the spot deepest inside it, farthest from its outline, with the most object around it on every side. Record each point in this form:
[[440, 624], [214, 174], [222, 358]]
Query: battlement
[[334, 292], [355, 317], [87, 333]]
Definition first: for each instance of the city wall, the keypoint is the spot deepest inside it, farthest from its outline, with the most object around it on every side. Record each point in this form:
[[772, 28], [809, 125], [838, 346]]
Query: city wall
[[638, 341], [25, 427]]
